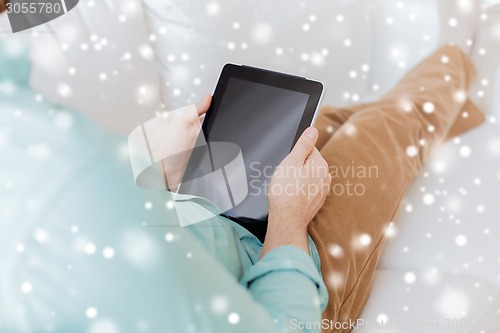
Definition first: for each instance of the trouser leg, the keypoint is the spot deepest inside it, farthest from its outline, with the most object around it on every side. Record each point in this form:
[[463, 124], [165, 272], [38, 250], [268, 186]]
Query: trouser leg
[[374, 157]]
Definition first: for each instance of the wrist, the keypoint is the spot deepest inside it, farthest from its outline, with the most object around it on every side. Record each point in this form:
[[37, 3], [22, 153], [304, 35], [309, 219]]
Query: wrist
[[280, 233], [282, 219]]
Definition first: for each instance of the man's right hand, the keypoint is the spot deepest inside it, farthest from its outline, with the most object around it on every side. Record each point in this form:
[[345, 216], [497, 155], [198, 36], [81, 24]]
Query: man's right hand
[[297, 191]]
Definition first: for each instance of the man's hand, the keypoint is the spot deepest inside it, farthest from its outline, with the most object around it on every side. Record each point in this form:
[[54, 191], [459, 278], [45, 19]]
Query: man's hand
[[181, 134], [167, 141], [297, 191]]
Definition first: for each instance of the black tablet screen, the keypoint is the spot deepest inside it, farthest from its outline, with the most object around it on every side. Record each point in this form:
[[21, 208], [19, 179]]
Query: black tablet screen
[[262, 120]]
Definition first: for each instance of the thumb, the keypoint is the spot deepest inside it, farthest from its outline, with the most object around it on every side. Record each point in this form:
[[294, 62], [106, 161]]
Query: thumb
[[203, 105], [305, 145]]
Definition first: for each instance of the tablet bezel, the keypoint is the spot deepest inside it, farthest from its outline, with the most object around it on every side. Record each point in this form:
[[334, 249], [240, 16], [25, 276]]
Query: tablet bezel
[[275, 79]]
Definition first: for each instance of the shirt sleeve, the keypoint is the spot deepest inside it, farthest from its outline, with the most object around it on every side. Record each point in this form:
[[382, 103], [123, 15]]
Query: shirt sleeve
[[288, 285]]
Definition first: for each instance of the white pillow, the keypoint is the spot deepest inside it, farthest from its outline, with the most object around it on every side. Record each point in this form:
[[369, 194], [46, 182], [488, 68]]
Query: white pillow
[[406, 32], [98, 60], [459, 22], [403, 34], [324, 40], [384, 38], [486, 57]]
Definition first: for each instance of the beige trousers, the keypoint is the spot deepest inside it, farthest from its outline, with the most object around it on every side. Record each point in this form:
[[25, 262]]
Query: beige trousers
[[374, 152]]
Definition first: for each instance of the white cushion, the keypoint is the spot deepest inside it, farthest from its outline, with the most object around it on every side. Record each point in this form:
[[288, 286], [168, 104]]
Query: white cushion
[[486, 55], [458, 227], [195, 39], [427, 301], [105, 42], [406, 32], [395, 24]]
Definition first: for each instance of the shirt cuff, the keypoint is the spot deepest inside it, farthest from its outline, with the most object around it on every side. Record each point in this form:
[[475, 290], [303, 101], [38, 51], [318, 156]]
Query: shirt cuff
[[284, 258]]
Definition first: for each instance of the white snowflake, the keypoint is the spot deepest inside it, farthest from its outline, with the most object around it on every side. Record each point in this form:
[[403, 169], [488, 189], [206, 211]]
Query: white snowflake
[[26, 287], [465, 151], [382, 318], [91, 312], [169, 237], [233, 318], [411, 151], [428, 199], [428, 107], [410, 277], [213, 8], [461, 240], [108, 252], [335, 250]]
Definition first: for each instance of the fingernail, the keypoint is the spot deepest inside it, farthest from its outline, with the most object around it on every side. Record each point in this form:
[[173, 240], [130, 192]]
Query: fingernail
[[311, 132]]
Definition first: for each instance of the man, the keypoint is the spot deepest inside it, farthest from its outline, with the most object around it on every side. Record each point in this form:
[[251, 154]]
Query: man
[[100, 253]]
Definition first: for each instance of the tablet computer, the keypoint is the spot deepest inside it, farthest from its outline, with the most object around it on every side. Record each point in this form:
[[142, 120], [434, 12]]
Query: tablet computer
[[260, 114]]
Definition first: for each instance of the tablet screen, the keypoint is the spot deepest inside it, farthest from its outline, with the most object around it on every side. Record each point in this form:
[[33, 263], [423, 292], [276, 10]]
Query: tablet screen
[[262, 120]]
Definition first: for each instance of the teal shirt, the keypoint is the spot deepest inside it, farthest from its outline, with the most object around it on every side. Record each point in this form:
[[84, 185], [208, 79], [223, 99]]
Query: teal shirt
[[83, 249]]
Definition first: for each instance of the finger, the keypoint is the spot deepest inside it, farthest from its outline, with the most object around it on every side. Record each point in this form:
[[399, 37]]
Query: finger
[[315, 157], [316, 160], [305, 145], [201, 118], [203, 105]]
